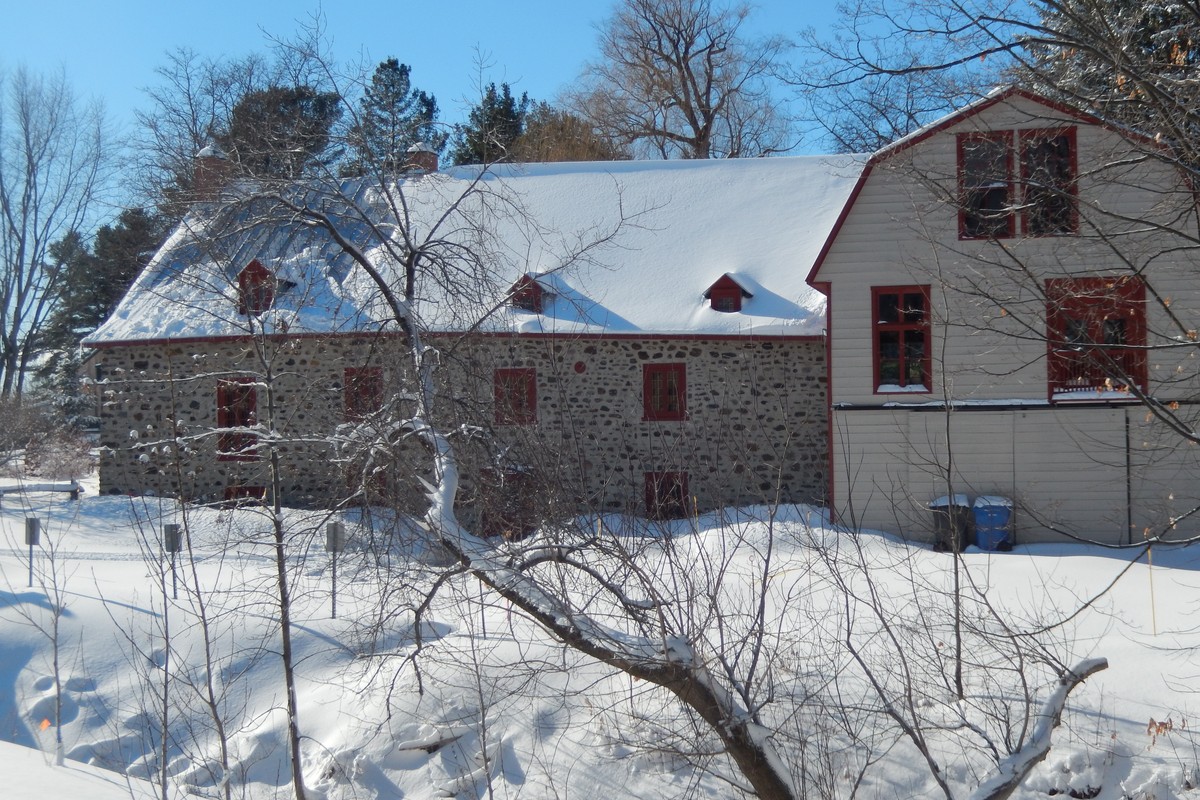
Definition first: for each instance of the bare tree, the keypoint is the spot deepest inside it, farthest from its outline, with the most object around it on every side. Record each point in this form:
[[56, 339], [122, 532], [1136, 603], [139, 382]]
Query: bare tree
[[247, 105], [53, 165], [677, 78]]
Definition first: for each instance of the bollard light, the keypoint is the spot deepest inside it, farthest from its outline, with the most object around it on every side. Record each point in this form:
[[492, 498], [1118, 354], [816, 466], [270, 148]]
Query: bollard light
[[335, 542], [335, 537], [33, 531], [172, 540], [172, 543]]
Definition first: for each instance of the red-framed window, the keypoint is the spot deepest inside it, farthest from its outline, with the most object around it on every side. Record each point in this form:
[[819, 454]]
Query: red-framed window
[[508, 504], [901, 338], [362, 393], [527, 295], [1048, 187], [515, 394], [667, 495], [985, 185], [726, 295], [1096, 335], [664, 391], [990, 194], [240, 495], [237, 410], [256, 289]]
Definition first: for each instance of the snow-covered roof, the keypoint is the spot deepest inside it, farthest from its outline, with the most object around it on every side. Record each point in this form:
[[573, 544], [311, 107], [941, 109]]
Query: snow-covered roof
[[619, 247]]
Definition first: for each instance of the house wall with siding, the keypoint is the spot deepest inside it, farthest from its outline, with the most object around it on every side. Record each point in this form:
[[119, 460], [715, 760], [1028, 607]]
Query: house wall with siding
[[1105, 473], [1066, 466], [755, 430]]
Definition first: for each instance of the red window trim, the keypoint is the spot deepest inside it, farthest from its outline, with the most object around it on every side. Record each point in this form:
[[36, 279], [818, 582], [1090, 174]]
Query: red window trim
[[527, 294], [514, 393], [726, 291], [1078, 369], [234, 494], [362, 392], [256, 289], [963, 141], [722, 297], [879, 326], [1016, 142], [508, 503], [656, 395], [1033, 135], [235, 445], [667, 495]]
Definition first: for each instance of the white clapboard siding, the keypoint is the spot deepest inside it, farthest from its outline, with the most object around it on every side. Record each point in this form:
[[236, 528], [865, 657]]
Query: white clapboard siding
[[1073, 470]]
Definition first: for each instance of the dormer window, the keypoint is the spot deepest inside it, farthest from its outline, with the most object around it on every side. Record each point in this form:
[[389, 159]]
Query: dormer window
[[256, 289], [527, 294], [726, 295]]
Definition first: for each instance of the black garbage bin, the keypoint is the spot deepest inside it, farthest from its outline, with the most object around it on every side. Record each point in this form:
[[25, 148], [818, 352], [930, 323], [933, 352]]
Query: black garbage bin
[[993, 523], [951, 522]]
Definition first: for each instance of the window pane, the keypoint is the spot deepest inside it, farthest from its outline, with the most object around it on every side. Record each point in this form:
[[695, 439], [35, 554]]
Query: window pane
[[1048, 169], [985, 180], [889, 357], [914, 358], [1115, 332], [1076, 332], [914, 308], [889, 308]]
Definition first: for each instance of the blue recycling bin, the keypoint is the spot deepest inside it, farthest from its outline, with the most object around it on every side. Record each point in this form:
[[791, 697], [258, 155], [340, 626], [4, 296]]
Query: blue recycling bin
[[993, 523]]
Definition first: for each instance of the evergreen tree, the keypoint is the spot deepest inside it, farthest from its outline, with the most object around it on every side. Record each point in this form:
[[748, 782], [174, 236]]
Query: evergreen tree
[[393, 116], [92, 285], [59, 373], [1134, 62], [492, 127], [281, 131]]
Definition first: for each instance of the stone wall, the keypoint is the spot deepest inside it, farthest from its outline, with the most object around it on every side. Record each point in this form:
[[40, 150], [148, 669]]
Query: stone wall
[[755, 429]]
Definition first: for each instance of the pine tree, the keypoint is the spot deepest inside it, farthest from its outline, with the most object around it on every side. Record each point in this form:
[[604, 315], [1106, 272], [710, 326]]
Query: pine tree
[[93, 283], [492, 127], [393, 116], [281, 131], [1134, 62], [59, 374]]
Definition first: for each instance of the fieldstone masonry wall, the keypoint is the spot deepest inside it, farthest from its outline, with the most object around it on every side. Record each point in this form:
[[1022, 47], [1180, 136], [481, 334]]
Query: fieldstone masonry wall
[[755, 431]]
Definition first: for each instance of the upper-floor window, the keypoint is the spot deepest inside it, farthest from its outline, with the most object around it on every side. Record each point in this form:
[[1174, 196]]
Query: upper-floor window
[[515, 394], [901, 338], [237, 412], [363, 392], [985, 185], [664, 391], [1048, 182], [256, 289], [726, 295], [527, 294], [1096, 335], [1011, 178]]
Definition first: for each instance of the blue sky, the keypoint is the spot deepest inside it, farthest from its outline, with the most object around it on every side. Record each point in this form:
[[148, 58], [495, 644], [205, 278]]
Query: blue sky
[[110, 49]]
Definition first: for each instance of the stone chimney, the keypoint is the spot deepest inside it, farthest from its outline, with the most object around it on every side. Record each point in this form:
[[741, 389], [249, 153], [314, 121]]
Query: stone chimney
[[213, 171], [421, 159]]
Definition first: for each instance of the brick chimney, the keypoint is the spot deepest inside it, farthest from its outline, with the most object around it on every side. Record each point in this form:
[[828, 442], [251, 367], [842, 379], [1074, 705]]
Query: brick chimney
[[213, 171], [421, 159]]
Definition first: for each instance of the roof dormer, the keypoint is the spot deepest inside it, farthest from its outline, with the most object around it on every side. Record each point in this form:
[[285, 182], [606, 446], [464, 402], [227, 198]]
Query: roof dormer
[[527, 294], [726, 294], [256, 289]]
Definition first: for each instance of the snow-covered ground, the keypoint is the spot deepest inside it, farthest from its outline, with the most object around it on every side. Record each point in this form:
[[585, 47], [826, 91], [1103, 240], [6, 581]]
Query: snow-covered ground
[[474, 702]]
